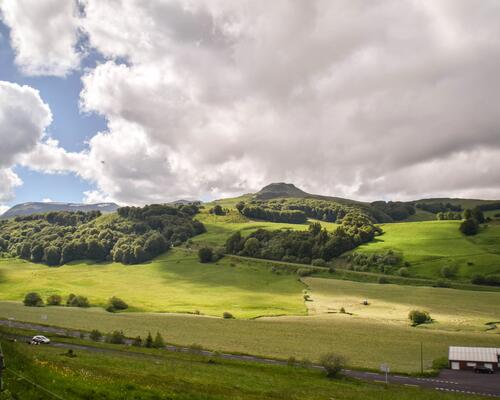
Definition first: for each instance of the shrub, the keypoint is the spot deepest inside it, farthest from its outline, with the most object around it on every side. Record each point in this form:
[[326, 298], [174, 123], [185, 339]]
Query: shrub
[[227, 315], [158, 343], [383, 280], [205, 255], [95, 335], [332, 363], [492, 280], [318, 262], [403, 271], [442, 284], [448, 271], [116, 304], [302, 272], [116, 337], [54, 300], [342, 310], [78, 301], [149, 341], [33, 300], [418, 317], [137, 341], [440, 363]]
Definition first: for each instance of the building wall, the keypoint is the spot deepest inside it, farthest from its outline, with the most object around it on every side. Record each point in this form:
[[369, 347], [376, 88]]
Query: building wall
[[468, 365]]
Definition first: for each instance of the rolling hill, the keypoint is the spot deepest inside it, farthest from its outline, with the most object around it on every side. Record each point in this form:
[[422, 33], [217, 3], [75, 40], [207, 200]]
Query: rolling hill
[[44, 207]]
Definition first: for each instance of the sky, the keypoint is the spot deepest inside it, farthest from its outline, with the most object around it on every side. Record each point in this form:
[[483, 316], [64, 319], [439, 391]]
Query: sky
[[148, 101]]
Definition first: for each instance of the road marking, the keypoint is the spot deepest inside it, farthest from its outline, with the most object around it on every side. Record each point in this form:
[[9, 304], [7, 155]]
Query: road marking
[[411, 384]]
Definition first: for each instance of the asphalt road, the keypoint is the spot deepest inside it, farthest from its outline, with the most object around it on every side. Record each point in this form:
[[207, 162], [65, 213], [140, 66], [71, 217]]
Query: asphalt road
[[464, 382]]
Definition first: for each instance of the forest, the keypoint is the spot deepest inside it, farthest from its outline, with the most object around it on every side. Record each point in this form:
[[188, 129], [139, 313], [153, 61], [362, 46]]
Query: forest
[[134, 235], [316, 245]]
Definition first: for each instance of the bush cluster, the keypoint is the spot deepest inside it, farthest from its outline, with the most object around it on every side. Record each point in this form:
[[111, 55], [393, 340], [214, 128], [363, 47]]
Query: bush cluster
[[418, 317]]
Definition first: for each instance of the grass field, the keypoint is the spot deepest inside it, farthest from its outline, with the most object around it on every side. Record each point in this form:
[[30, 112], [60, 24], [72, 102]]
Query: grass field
[[429, 246], [91, 375], [365, 342], [450, 308], [175, 282]]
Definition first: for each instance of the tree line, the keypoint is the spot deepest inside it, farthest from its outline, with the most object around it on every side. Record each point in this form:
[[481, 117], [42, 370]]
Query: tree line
[[133, 235]]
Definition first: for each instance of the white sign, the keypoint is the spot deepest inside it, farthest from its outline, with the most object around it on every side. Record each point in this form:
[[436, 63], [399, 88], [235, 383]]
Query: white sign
[[385, 368]]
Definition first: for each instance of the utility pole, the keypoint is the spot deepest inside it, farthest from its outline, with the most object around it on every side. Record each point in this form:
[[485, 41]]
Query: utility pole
[[421, 358]]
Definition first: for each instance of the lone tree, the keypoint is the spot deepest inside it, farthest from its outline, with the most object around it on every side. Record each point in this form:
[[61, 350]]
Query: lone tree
[[205, 254], [333, 364], [149, 341], [33, 300], [418, 317], [469, 227]]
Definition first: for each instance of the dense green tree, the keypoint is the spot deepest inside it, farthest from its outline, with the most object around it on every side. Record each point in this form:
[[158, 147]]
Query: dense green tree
[[240, 206], [205, 255], [217, 210], [95, 250], [36, 253], [155, 244], [33, 300], [469, 227], [158, 343], [251, 247], [52, 255], [333, 364], [478, 215], [54, 300], [418, 317], [149, 341]]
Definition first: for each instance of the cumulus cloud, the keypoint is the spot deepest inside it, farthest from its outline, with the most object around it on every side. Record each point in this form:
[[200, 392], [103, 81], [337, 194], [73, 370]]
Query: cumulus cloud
[[23, 119], [44, 34], [399, 99]]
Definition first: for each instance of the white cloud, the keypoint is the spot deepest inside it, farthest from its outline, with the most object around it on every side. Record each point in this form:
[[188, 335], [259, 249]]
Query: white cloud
[[396, 100], [23, 119], [47, 200], [44, 34]]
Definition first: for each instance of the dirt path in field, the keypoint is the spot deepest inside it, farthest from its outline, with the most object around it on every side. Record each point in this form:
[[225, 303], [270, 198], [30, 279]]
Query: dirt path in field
[[464, 382]]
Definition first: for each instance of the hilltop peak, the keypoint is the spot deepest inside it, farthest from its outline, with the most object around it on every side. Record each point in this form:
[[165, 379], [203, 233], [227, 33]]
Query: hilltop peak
[[280, 189]]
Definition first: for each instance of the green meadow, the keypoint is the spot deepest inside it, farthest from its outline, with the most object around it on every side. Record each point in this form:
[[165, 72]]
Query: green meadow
[[451, 309], [174, 282], [430, 245], [157, 374], [366, 342]]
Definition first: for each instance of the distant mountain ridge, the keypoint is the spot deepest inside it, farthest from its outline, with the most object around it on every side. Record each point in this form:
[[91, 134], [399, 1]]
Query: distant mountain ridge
[[43, 207]]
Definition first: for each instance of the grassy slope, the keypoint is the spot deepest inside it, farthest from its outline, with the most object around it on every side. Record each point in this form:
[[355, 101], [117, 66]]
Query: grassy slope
[[181, 376], [175, 282], [429, 246], [452, 309], [366, 342]]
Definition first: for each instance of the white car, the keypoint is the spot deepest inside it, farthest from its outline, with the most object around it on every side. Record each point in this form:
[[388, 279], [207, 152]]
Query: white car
[[39, 339]]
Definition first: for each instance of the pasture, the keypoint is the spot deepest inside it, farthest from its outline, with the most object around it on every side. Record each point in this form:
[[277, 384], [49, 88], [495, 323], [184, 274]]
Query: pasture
[[163, 375], [366, 342], [451, 309], [431, 245], [173, 282]]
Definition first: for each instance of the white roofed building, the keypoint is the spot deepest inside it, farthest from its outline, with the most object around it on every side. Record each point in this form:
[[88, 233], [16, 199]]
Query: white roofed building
[[471, 357]]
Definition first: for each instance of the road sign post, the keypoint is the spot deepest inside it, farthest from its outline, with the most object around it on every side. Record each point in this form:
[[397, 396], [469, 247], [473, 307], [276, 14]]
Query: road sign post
[[385, 368]]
